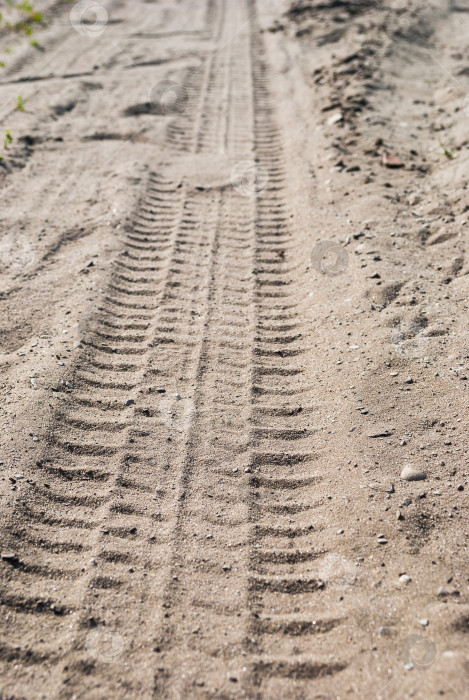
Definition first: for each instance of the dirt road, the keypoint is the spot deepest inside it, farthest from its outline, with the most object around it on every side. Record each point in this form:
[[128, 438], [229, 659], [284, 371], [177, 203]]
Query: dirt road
[[228, 327]]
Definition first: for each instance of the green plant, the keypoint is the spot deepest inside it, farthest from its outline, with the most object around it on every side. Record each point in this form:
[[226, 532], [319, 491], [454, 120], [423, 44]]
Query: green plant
[[20, 103], [30, 16], [7, 141], [449, 154], [25, 7]]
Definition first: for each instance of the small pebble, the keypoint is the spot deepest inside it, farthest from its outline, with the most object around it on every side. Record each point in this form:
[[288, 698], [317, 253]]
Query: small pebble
[[405, 579], [424, 622], [9, 556], [337, 117], [412, 474]]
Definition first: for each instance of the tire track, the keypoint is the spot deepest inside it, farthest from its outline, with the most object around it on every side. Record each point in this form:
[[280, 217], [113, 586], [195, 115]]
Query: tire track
[[99, 419], [283, 588], [102, 476]]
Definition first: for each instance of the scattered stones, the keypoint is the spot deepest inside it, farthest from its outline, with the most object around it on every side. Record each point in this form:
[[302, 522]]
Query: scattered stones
[[409, 380], [406, 502], [412, 474]]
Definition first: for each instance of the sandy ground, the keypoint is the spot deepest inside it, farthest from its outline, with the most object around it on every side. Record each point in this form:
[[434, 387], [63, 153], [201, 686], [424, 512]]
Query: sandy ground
[[228, 326]]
